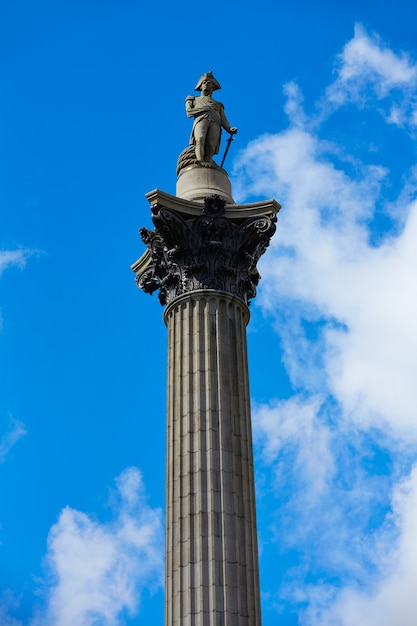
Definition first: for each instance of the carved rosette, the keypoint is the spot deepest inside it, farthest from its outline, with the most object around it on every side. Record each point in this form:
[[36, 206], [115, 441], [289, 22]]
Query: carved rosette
[[208, 251]]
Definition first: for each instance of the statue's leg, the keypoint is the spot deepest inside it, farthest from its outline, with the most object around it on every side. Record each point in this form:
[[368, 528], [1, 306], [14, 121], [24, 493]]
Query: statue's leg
[[200, 132], [212, 141]]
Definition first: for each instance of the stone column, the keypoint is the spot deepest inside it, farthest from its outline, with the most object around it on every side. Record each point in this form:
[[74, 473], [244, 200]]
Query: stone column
[[211, 546], [202, 261]]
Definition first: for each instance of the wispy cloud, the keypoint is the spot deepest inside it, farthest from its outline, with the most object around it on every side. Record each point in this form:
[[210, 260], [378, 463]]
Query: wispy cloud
[[366, 70], [391, 599], [340, 450], [97, 571], [8, 604], [15, 431], [15, 258], [331, 490]]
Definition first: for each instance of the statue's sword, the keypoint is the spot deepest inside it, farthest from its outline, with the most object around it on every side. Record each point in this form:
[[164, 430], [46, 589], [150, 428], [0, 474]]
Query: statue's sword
[[229, 141]]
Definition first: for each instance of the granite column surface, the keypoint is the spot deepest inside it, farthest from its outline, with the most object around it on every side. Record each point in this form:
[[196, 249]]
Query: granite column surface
[[211, 543]]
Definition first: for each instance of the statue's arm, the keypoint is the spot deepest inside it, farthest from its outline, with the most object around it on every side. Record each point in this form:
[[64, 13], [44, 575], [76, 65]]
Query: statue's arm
[[189, 105], [225, 122]]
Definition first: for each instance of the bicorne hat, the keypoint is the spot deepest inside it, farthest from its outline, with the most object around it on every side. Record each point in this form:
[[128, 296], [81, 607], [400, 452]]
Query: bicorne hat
[[209, 76]]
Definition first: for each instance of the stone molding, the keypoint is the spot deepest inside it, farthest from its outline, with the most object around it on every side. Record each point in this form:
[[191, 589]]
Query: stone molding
[[204, 246]]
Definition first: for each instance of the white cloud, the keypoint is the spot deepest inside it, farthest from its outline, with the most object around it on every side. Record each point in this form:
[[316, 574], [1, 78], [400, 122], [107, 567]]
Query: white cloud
[[322, 267], [368, 59], [295, 423], [326, 496], [372, 367], [8, 604], [342, 293], [14, 258], [393, 599], [15, 432], [367, 69], [293, 106], [99, 570]]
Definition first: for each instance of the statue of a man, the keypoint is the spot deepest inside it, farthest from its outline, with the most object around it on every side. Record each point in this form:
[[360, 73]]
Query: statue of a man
[[209, 119]]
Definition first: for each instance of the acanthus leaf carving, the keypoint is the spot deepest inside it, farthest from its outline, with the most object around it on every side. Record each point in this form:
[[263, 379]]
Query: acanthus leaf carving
[[207, 251]]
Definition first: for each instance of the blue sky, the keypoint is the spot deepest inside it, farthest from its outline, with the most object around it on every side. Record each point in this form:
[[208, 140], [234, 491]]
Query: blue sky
[[91, 118]]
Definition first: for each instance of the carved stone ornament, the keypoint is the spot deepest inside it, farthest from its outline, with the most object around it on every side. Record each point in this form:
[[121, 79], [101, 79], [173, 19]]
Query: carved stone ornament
[[206, 251]]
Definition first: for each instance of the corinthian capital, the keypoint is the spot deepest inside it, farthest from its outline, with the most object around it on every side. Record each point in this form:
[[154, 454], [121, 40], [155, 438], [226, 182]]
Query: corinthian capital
[[209, 246]]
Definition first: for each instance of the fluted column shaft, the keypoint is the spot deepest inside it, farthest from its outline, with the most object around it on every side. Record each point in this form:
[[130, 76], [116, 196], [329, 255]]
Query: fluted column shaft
[[212, 575]]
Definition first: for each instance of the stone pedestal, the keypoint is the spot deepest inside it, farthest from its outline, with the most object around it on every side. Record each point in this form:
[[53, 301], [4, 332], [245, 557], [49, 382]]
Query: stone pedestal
[[202, 258], [197, 182]]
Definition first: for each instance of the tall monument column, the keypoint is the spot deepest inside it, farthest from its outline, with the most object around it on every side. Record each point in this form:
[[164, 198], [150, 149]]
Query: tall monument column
[[212, 559], [202, 258]]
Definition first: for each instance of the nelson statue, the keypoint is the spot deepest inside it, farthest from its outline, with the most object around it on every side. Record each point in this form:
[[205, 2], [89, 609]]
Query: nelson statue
[[209, 119]]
